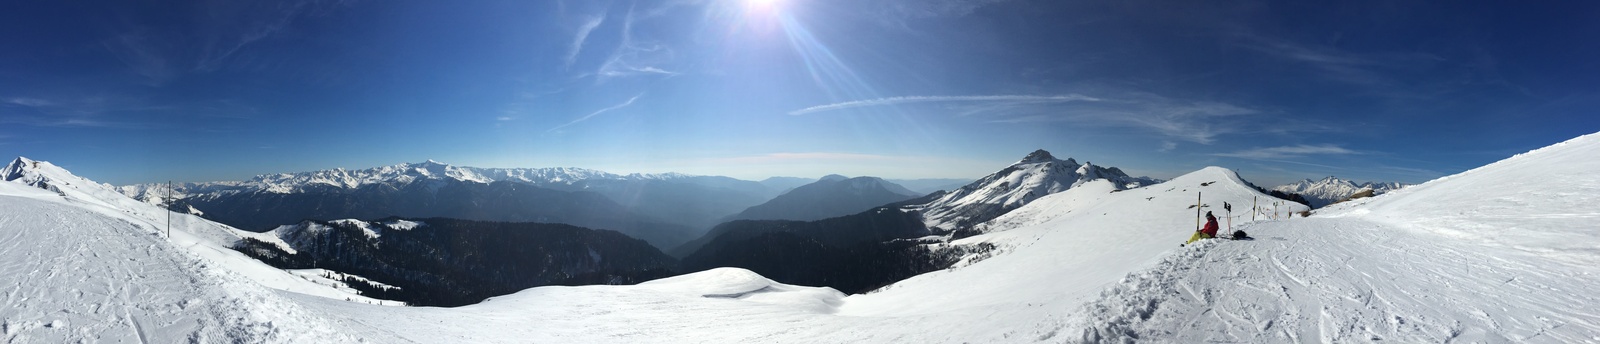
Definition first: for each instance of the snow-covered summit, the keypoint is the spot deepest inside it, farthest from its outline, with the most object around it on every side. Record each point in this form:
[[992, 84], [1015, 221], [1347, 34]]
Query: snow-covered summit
[[1036, 175], [1038, 156], [1332, 189]]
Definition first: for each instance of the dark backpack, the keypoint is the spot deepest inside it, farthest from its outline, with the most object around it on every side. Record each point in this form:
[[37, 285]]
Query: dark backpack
[[1240, 235]]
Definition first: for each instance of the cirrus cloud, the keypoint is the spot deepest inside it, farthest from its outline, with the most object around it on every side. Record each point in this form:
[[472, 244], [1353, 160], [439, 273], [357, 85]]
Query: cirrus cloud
[[1289, 152], [931, 99]]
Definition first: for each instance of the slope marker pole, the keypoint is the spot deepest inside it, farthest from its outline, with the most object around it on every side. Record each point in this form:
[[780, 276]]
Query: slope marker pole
[[167, 203]]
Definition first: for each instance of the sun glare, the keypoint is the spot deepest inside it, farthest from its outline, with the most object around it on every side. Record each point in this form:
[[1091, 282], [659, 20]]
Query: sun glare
[[762, 5]]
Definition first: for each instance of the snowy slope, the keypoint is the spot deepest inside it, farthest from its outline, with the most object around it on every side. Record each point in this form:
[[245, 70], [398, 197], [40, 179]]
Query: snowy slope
[[204, 238], [73, 274], [1544, 202], [1051, 257], [1489, 255], [1074, 243], [1093, 265], [1328, 190], [1507, 252], [1348, 280]]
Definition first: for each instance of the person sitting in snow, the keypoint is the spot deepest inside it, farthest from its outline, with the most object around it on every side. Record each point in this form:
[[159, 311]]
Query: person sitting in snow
[[1210, 231]]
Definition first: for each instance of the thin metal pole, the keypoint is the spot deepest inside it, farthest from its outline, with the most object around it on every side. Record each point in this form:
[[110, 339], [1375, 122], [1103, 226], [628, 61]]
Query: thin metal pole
[[168, 204], [1197, 211]]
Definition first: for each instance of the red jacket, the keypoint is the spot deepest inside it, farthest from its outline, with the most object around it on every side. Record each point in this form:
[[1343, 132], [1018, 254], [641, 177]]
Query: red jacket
[[1211, 227]]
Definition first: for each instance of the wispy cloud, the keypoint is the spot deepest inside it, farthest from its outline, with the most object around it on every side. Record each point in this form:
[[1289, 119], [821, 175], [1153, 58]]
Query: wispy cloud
[[29, 102], [1167, 146], [1196, 122], [138, 51], [929, 99], [897, 13], [1367, 69], [1172, 119], [1284, 152], [635, 57], [596, 113], [218, 31], [582, 35], [111, 111]]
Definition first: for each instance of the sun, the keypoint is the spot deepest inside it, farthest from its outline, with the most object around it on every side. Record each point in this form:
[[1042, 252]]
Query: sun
[[762, 5]]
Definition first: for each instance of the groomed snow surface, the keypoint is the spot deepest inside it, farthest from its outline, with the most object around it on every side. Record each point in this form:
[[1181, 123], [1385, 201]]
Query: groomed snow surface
[[1503, 253]]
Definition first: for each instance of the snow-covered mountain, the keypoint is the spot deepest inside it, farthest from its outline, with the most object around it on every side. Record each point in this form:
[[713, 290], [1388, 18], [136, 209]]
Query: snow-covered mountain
[[1331, 189], [680, 199], [209, 241], [1038, 174], [1095, 263], [394, 174], [831, 196]]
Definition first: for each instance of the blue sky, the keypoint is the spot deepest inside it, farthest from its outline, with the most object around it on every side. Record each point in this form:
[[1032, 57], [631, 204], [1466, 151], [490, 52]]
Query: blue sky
[[127, 92]]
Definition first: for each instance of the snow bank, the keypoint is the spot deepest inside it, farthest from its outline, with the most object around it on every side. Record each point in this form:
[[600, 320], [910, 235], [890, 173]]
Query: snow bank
[[1545, 202]]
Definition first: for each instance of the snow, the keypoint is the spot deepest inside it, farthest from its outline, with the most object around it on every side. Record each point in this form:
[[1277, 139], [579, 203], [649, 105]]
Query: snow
[[404, 225], [1347, 280], [1092, 265], [393, 174], [203, 238], [1331, 189], [366, 228], [1035, 176], [335, 280], [1503, 253], [72, 274], [1542, 202]]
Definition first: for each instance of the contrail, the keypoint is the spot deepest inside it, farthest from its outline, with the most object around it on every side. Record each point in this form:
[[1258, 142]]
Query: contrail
[[597, 113]]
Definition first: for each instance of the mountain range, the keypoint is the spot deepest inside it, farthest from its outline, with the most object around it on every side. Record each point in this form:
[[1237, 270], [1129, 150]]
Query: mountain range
[[450, 262], [830, 196], [897, 239], [1096, 262], [1332, 189], [664, 209]]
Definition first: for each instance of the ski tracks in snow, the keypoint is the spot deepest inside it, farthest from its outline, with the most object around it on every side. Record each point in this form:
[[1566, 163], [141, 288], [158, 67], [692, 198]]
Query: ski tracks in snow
[[72, 275], [1345, 280]]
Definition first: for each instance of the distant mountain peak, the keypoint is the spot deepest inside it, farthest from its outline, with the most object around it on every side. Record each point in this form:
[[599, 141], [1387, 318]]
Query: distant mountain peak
[[830, 196], [15, 168], [1037, 175], [1037, 156], [1331, 188]]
